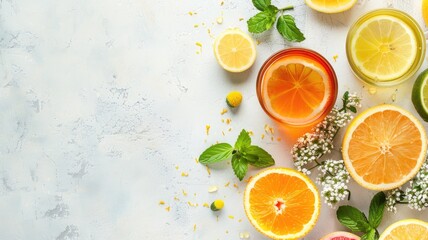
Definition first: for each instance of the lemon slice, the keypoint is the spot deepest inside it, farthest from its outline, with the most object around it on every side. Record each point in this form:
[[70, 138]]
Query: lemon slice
[[406, 229], [384, 48], [234, 50], [330, 6], [425, 11]]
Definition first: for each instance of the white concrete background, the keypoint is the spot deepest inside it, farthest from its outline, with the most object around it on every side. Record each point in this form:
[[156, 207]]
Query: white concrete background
[[101, 101]]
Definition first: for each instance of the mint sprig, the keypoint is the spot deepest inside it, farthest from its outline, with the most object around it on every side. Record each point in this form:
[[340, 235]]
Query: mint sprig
[[357, 221], [265, 19], [243, 154]]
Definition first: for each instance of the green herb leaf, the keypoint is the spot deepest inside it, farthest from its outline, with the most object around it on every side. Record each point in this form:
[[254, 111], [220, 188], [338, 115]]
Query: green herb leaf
[[264, 159], [353, 219], [240, 166], [261, 4], [216, 153], [262, 21], [288, 29], [377, 205], [243, 140], [352, 109], [370, 235]]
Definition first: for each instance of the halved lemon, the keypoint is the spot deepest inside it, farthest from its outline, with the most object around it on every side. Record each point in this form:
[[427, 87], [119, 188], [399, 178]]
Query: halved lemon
[[408, 229], [384, 147], [234, 50], [384, 47], [282, 203], [330, 6]]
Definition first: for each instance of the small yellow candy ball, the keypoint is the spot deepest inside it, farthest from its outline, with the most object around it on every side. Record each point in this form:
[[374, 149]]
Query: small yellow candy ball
[[234, 99]]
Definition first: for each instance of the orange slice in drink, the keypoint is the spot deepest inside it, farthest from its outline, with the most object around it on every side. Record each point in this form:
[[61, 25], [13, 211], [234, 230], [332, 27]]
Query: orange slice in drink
[[297, 89], [384, 147], [282, 203]]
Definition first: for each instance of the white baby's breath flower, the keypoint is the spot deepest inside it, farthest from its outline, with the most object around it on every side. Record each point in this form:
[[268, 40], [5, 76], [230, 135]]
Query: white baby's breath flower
[[333, 178], [417, 192]]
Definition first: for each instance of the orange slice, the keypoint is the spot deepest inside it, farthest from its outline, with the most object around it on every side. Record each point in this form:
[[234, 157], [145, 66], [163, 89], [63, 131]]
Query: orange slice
[[282, 203], [408, 229], [297, 88], [384, 147], [330, 6]]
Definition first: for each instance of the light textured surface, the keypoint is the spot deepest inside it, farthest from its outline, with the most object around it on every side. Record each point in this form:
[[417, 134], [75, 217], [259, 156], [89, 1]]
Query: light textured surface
[[104, 106]]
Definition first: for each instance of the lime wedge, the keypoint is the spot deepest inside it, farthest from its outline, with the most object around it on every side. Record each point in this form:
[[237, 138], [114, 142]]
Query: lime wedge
[[420, 95]]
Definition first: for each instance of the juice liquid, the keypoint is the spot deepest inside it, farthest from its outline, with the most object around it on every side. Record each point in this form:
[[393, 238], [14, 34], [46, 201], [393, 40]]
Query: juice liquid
[[297, 87], [385, 47]]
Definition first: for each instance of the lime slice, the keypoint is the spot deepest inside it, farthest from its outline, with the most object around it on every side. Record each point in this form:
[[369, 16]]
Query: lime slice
[[420, 95]]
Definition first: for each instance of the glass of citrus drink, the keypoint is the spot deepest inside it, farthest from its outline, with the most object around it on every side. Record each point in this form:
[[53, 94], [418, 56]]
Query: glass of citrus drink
[[297, 87], [385, 47]]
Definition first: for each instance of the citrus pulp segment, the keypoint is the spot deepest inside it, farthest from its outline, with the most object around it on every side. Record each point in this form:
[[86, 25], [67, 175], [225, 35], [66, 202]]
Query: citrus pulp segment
[[384, 48], [420, 95], [408, 229], [384, 147], [235, 50], [425, 11], [330, 6], [282, 203]]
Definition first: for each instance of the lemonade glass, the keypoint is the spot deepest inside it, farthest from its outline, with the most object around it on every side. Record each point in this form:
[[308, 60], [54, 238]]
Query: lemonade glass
[[381, 55], [297, 87]]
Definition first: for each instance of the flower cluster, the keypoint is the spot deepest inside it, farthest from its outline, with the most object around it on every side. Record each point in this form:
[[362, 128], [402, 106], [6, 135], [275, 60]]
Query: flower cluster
[[333, 178], [415, 194], [311, 146]]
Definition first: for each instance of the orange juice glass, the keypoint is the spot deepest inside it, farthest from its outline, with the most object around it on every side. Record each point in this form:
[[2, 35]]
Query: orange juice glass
[[297, 87]]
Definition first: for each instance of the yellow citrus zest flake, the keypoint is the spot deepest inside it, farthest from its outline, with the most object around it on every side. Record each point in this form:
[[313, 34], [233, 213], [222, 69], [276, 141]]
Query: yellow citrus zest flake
[[207, 129], [223, 111], [222, 120], [234, 185], [278, 139], [335, 57], [228, 121], [222, 132], [230, 129], [219, 20], [250, 133], [372, 90], [176, 198], [231, 217], [217, 218], [227, 184], [196, 160], [263, 136], [258, 42], [241, 19], [206, 205], [194, 227], [271, 138], [196, 25], [212, 189], [244, 235], [191, 13], [177, 167], [208, 170], [240, 220], [221, 3], [168, 208], [161, 202], [199, 44], [192, 204], [184, 174], [184, 192], [227, 231]]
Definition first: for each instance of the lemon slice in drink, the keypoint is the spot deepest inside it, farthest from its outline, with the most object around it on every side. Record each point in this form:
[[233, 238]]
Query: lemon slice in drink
[[235, 50], [420, 95], [384, 47]]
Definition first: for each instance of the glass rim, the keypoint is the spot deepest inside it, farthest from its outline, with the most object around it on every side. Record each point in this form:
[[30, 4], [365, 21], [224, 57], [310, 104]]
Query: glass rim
[[416, 29], [316, 57]]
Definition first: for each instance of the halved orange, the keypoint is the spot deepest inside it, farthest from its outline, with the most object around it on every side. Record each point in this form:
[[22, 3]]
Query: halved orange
[[282, 203], [384, 147], [407, 229], [330, 6]]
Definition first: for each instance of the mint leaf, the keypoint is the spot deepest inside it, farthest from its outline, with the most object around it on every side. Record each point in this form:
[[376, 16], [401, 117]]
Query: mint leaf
[[353, 219], [377, 205], [240, 166], [243, 140], [261, 4], [216, 153], [262, 21], [288, 29], [371, 235], [258, 157]]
